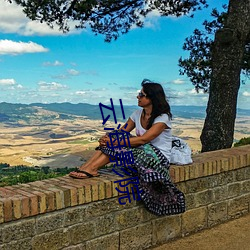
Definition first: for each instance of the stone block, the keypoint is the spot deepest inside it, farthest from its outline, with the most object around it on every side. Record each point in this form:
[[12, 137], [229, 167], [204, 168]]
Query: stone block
[[53, 240], [234, 189], [247, 172], [194, 220], [182, 186], [225, 178], [18, 230], [99, 208], [136, 238], [76, 247], [217, 213], [238, 206], [240, 174], [220, 193], [129, 217], [49, 222], [74, 215], [24, 244], [196, 185], [107, 242], [105, 224], [1, 235], [245, 186], [80, 233], [190, 203], [166, 228], [204, 198]]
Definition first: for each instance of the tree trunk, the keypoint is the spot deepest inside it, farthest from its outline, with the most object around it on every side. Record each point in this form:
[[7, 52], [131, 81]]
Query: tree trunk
[[227, 56]]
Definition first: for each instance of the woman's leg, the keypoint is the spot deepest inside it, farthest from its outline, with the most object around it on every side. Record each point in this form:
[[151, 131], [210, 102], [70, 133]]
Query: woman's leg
[[98, 160], [91, 159]]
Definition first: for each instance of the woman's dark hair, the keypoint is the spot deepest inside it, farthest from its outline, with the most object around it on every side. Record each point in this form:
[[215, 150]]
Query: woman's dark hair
[[155, 93]]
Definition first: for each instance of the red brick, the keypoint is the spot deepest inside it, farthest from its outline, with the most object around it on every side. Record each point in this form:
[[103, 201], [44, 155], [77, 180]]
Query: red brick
[[197, 170], [101, 191], [214, 167], [25, 206], [79, 187], [6, 192], [59, 198], [7, 209], [33, 200], [17, 210], [87, 193], [73, 194], [1, 211], [201, 170], [41, 201], [108, 189], [172, 173]]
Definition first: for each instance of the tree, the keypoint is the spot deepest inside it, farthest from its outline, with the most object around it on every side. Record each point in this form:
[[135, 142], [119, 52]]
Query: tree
[[198, 66], [113, 17], [227, 58], [219, 126], [108, 17]]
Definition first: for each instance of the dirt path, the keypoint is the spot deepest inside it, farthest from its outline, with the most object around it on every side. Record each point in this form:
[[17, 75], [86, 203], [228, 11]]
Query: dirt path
[[233, 235]]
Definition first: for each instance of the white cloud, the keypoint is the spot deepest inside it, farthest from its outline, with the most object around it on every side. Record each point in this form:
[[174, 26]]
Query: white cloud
[[13, 20], [178, 81], [73, 72], [10, 84], [246, 93], [7, 82], [19, 86], [55, 63], [15, 48], [80, 92], [51, 86], [194, 92]]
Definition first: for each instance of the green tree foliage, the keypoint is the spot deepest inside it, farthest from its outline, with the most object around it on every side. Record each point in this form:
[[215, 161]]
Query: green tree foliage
[[23, 174], [198, 67], [109, 17], [242, 142]]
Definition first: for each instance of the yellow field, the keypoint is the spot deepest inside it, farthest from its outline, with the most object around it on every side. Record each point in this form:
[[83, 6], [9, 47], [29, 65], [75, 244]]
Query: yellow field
[[32, 145]]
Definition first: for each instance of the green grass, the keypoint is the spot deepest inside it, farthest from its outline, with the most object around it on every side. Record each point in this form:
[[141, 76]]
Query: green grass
[[23, 174]]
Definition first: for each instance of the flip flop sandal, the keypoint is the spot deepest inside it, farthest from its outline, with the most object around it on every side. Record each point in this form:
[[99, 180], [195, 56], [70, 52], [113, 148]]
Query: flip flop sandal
[[87, 175]]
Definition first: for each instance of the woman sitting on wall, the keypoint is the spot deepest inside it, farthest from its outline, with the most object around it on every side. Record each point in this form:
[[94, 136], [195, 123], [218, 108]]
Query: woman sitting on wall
[[151, 149]]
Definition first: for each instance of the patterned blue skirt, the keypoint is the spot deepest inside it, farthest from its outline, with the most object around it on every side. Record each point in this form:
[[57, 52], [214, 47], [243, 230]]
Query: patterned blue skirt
[[159, 194]]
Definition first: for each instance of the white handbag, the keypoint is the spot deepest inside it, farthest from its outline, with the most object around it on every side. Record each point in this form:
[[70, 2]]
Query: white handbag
[[180, 152]]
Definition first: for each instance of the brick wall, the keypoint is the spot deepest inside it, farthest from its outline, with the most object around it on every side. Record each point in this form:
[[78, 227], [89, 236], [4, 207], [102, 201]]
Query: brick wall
[[65, 213]]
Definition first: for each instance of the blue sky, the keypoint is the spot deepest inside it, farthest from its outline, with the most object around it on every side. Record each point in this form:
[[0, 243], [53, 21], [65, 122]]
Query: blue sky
[[38, 64]]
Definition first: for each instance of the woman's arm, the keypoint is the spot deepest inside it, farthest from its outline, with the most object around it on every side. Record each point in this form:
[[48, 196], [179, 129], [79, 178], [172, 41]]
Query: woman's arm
[[150, 135], [136, 141], [130, 125]]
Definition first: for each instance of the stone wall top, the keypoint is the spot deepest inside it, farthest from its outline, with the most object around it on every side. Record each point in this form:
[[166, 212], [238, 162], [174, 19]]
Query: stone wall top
[[39, 197]]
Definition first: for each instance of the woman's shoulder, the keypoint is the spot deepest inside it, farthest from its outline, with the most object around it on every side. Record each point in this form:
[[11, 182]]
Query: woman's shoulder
[[163, 116], [137, 112]]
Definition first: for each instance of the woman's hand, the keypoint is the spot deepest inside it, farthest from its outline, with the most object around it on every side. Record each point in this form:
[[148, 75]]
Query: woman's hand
[[104, 140]]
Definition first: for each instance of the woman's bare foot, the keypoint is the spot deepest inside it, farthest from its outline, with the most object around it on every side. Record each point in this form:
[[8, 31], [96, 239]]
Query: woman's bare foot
[[83, 173]]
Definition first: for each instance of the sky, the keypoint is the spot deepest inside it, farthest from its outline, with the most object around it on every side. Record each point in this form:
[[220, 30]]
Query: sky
[[38, 64]]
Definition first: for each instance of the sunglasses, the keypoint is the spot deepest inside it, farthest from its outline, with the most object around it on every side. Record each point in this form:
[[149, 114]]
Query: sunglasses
[[140, 94]]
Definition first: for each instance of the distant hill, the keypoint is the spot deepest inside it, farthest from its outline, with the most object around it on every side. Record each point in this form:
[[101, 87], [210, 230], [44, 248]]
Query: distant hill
[[10, 112]]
